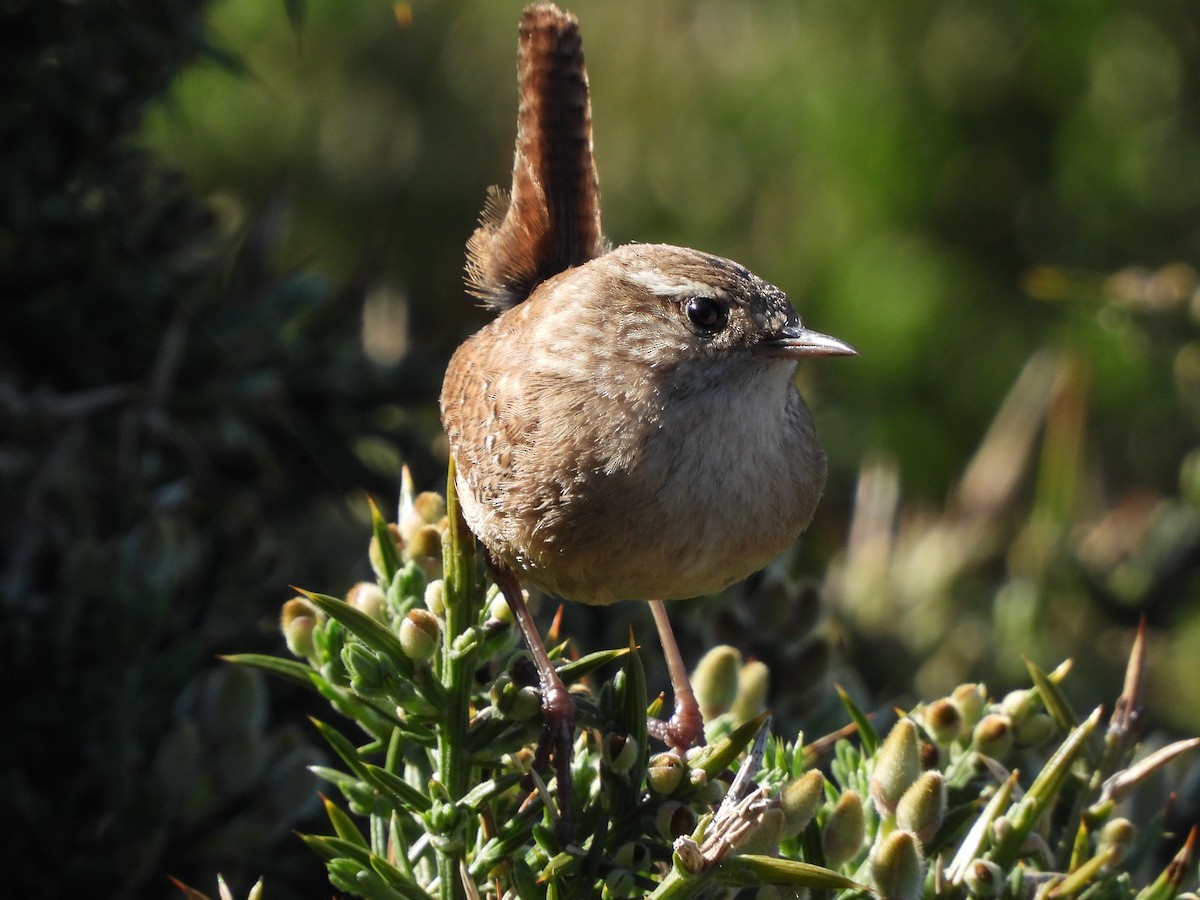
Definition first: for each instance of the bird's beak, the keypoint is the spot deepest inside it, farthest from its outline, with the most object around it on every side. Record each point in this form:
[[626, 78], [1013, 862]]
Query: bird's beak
[[797, 342]]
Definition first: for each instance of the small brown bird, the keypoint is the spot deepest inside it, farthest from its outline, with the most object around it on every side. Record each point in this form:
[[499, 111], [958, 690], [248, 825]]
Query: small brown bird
[[627, 428]]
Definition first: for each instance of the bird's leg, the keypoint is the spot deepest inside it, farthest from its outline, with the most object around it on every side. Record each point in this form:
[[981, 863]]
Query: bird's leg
[[685, 725], [558, 706]]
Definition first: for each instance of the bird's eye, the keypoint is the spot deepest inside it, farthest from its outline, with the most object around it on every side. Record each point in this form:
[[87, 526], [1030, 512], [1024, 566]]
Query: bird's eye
[[706, 314]]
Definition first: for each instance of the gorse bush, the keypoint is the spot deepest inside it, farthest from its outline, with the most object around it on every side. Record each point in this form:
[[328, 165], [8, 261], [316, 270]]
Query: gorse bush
[[441, 779], [173, 411]]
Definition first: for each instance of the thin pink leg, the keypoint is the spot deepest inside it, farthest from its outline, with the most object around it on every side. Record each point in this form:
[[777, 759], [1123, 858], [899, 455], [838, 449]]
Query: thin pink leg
[[558, 706], [685, 724]]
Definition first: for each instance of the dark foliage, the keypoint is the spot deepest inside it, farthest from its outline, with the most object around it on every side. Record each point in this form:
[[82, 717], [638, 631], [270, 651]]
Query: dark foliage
[[173, 412]]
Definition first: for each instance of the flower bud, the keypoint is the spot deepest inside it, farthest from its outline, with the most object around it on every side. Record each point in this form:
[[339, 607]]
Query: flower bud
[[365, 670], [708, 790], [500, 611], [619, 752], [896, 866], [297, 621], [993, 736], [368, 598], [1001, 828], [427, 508], [984, 878], [425, 541], [971, 701], [765, 833], [632, 855], [420, 634], [673, 819], [845, 830], [1116, 837], [665, 772], [753, 681], [1033, 730], [618, 882], [922, 807], [513, 701], [435, 597], [1017, 704], [943, 721], [715, 680], [799, 801], [897, 765]]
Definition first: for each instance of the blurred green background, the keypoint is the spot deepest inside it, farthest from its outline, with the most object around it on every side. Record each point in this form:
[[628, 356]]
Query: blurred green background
[[232, 244]]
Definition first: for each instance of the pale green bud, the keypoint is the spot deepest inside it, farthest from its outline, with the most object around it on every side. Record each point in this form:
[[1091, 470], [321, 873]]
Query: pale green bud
[[971, 700], [619, 752], [922, 807], [753, 681], [1001, 828], [711, 790], [420, 634], [897, 765], [665, 772], [500, 611], [435, 597], [1115, 838], [431, 506], [425, 543], [984, 878], [1017, 704], [368, 598], [673, 819], [715, 680], [297, 621], [514, 701], [1033, 730], [799, 801], [943, 721], [896, 866], [993, 736], [845, 830], [427, 508], [365, 670], [764, 836]]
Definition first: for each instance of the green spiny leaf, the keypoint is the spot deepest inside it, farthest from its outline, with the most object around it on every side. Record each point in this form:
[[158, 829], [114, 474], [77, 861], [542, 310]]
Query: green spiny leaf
[[753, 871], [291, 669], [389, 556], [1053, 698], [866, 731], [407, 796], [343, 825], [1041, 794], [371, 632], [332, 848], [716, 758]]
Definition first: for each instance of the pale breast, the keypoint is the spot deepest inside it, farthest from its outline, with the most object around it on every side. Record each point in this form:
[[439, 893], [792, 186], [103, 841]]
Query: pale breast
[[671, 497]]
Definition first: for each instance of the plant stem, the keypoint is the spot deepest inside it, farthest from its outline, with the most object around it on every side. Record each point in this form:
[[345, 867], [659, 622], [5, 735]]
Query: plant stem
[[457, 670]]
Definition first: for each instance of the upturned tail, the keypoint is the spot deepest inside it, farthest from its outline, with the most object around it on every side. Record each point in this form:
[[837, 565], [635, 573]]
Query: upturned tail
[[551, 219]]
